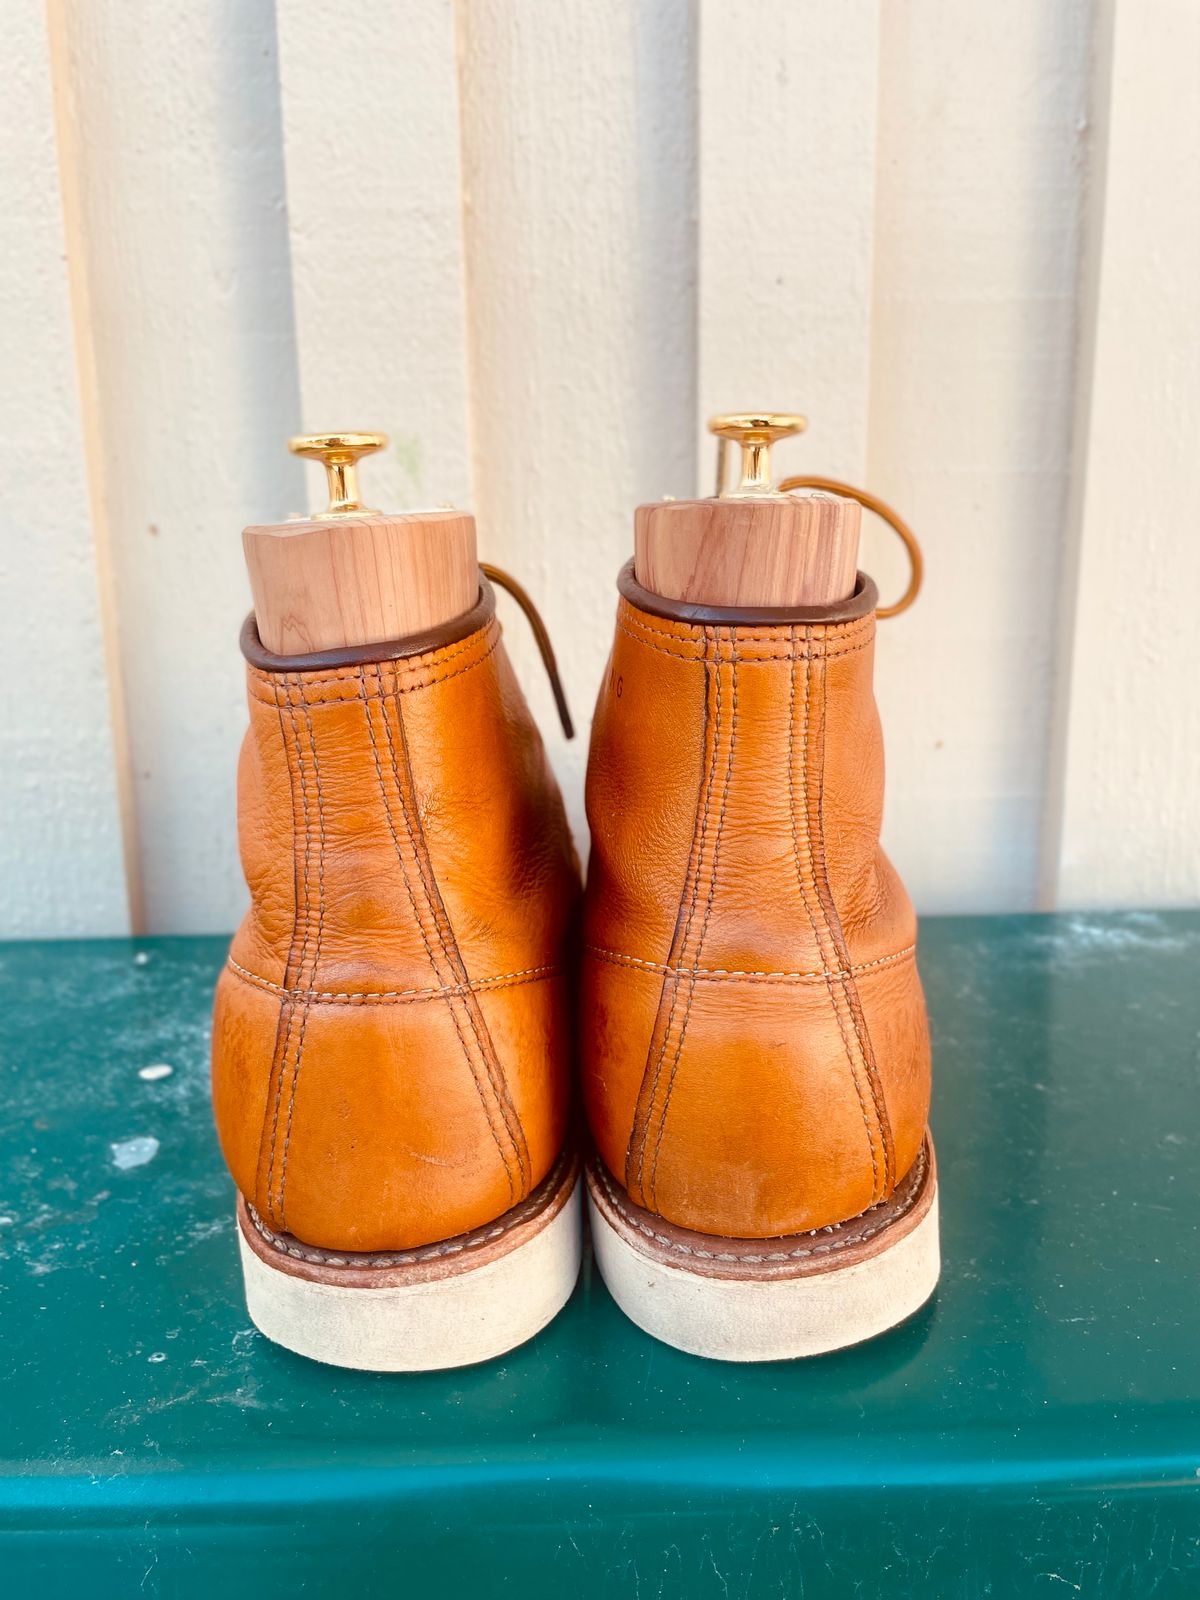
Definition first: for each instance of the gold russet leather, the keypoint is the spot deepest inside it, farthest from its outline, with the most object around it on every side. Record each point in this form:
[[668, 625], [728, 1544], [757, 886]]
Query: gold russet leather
[[391, 1039], [755, 1050]]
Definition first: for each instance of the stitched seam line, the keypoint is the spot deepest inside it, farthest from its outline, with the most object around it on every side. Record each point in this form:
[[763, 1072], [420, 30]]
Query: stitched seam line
[[615, 1199], [629, 617], [503, 980], [301, 1010], [434, 658], [849, 990], [382, 694], [316, 960], [801, 883], [638, 1138], [412, 900], [275, 1203], [283, 1026], [758, 659], [814, 845], [618, 958], [452, 954], [712, 887]]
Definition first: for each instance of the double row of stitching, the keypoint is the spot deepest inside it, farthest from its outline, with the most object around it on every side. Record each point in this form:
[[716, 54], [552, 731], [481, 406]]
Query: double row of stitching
[[403, 677], [833, 633], [681, 972], [437, 935], [735, 974], [808, 855], [690, 650], [365, 997], [304, 951]]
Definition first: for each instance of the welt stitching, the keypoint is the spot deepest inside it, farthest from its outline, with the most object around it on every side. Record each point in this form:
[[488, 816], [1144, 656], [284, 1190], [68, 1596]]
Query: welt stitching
[[316, 960], [449, 945], [696, 855], [850, 993], [840, 1242], [530, 1207], [412, 900], [619, 959], [502, 980], [804, 896], [712, 888], [401, 688]]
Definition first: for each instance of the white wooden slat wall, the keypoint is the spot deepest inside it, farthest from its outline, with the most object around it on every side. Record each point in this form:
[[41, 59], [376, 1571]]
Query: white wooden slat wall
[[578, 169], [984, 163], [1124, 797], [58, 796], [538, 245], [174, 145], [370, 140]]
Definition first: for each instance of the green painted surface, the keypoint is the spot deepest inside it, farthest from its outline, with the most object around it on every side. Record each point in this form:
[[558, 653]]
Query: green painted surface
[[1035, 1431]]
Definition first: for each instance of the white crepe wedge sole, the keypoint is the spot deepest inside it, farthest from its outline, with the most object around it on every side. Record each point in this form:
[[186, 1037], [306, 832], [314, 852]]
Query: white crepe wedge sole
[[769, 1299], [449, 1304]]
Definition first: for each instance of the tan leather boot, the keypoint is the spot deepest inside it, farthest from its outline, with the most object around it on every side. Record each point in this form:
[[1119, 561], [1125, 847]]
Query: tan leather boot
[[391, 1038], [753, 1033]]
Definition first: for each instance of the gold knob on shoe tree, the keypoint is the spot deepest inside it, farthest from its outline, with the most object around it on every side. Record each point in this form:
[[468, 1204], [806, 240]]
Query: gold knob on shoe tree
[[755, 432], [339, 454]]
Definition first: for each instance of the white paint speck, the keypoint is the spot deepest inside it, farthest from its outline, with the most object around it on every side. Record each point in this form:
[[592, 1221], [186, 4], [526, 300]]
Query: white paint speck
[[160, 1069], [134, 1152], [157, 1355], [6, 1222], [142, 958]]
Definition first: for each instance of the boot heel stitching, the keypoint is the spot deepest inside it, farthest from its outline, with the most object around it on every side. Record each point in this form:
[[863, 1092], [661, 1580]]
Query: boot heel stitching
[[361, 997], [639, 1135], [809, 867], [849, 987], [453, 956], [418, 919], [316, 960], [712, 887]]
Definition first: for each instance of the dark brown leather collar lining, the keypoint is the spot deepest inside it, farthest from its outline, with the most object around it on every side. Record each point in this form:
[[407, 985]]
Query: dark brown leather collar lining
[[860, 604], [415, 644]]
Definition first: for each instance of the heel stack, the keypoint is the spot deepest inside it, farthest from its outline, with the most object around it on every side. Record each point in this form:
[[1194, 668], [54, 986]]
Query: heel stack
[[449, 1304], [769, 1299]]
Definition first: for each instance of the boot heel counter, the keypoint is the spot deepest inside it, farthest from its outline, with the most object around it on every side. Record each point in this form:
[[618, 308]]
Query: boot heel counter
[[389, 1049], [755, 1047]]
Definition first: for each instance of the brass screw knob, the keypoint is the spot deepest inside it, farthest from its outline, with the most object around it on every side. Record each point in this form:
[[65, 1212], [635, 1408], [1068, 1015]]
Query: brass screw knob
[[340, 454], [755, 432]]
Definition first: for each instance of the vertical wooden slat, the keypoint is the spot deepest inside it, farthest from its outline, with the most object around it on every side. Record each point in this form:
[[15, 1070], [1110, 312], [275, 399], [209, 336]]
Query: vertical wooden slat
[[60, 826], [787, 102], [578, 162], [982, 133], [1124, 807], [371, 141], [175, 141]]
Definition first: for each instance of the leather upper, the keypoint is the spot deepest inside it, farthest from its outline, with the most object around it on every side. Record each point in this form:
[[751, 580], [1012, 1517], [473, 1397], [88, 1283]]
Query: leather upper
[[391, 1034], [754, 1043]]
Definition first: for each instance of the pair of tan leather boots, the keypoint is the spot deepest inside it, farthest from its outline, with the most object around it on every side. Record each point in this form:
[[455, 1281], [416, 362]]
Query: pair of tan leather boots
[[414, 992]]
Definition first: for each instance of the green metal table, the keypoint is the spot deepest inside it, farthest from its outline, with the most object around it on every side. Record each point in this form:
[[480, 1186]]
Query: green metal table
[[1034, 1431]]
